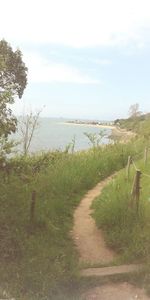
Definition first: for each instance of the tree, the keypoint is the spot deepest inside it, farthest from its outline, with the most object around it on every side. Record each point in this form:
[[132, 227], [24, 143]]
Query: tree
[[134, 111], [28, 125], [96, 138], [13, 80], [13, 72]]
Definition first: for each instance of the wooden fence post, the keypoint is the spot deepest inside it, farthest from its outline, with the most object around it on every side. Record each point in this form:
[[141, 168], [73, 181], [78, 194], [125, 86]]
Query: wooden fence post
[[32, 208], [145, 155], [135, 193], [128, 167]]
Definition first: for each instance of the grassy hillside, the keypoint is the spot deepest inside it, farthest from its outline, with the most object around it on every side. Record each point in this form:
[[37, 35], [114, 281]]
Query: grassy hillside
[[126, 230], [38, 258], [140, 124]]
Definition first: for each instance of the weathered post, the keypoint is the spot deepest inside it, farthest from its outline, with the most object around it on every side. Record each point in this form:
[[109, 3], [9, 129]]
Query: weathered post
[[32, 208], [135, 193], [128, 167]]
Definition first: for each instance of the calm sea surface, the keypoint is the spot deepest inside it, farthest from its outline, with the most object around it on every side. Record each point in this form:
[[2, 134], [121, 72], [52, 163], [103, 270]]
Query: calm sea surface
[[55, 134]]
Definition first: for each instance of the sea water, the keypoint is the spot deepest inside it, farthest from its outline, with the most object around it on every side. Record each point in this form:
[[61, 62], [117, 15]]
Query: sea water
[[53, 134]]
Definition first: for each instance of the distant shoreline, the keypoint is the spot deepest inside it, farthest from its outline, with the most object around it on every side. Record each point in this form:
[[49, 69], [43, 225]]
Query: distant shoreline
[[116, 132], [90, 125]]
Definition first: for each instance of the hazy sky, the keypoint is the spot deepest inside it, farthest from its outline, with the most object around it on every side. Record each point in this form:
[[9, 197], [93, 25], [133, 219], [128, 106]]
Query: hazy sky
[[86, 58]]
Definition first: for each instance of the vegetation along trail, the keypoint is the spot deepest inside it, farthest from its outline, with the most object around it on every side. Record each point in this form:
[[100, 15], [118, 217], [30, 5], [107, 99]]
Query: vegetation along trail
[[92, 249]]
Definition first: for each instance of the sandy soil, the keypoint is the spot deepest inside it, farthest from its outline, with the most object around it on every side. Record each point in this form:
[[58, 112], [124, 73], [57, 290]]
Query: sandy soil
[[117, 291], [88, 239], [123, 135], [90, 125]]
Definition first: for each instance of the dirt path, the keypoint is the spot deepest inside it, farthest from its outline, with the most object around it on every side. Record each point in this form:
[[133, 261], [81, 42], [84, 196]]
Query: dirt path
[[88, 239], [115, 291], [92, 249]]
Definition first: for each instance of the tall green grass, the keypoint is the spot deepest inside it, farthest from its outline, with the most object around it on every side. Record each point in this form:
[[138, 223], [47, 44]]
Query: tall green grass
[[38, 258], [126, 231]]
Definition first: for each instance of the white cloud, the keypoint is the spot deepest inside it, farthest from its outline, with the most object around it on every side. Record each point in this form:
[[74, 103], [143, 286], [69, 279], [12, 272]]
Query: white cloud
[[100, 61], [77, 23], [42, 70]]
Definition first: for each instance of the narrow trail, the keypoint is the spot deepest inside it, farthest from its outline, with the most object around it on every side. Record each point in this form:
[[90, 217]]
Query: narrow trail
[[88, 238], [92, 249]]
